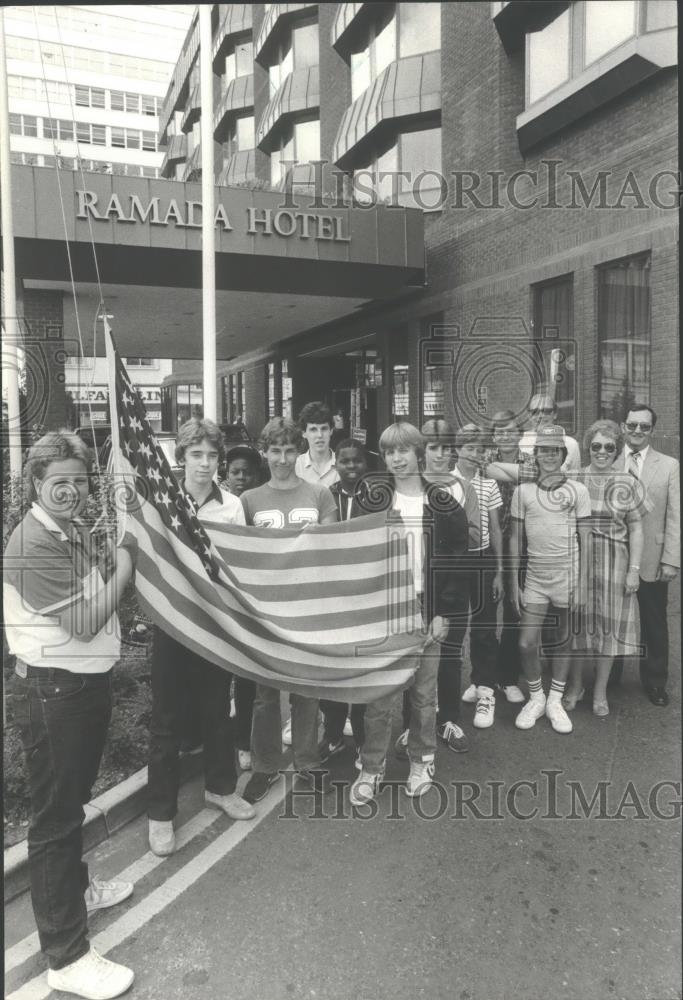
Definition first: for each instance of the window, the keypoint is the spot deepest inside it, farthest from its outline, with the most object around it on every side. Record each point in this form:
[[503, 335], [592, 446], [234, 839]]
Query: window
[[271, 390], [82, 131], [286, 390], [66, 130], [87, 97], [148, 105], [244, 133], [307, 141], [132, 138], [243, 396], [305, 45], [419, 28], [624, 328], [116, 100], [662, 14], [149, 141], [133, 103], [416, 154], [99, 135], [24, 125], [554, 332], [141, 363], [374, 55], [118, 137], [50, 129], [580, 36], [239, 61], [282, 67], [548, 57], [607, 25]]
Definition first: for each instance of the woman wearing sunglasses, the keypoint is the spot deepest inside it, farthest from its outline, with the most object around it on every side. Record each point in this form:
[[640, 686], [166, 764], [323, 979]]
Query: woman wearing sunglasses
[[610, 625]]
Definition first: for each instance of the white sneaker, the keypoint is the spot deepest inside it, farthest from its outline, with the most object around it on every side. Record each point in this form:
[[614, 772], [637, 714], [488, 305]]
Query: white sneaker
[[559, 719], [161, 837], [232, 805], [513, 694], [469, 694], [365, 788], [486, 708], [420, 778], [100, 894], [244, 760], [348, 728], [532, 711], [92, 976], [287, 733]]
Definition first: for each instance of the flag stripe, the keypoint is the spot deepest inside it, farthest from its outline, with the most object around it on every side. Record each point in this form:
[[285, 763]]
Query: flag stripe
[[385, 609], [379, 679]]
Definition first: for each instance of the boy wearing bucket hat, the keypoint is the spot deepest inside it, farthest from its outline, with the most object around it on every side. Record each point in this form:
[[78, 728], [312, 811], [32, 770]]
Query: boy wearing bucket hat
[[554, 513]]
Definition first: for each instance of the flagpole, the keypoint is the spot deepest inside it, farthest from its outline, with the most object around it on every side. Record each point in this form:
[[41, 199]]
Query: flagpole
[[10, 359], [208, 214]]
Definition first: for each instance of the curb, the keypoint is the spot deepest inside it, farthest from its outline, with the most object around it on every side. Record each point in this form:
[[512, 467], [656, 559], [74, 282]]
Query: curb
[[105, 815]]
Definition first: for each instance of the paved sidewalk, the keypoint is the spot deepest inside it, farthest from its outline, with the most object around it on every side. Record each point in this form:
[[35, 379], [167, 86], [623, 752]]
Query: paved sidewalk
[[540, 867]]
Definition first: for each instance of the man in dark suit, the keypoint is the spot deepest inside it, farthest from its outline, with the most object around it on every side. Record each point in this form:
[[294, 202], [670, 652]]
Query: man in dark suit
[[660, 561]]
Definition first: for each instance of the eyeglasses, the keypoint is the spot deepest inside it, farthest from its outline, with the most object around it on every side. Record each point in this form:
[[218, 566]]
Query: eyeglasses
[[547, 410], [598, 446], [635, 425]]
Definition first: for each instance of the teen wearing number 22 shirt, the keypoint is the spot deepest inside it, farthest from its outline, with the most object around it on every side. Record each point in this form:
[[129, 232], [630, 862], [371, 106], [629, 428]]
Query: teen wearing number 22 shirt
[[284, 502]]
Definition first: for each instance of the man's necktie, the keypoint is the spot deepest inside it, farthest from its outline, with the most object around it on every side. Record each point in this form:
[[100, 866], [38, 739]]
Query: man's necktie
[[634, 464]]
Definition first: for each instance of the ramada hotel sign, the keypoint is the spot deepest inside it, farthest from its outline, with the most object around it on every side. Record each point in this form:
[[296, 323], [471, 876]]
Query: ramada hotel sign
[[157, 211]]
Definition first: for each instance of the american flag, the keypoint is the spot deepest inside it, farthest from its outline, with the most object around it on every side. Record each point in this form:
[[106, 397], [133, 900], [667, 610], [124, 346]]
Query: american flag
[[326, 612]]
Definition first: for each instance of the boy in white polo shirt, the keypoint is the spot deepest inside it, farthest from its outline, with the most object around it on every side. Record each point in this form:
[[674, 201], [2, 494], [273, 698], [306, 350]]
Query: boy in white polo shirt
[[62, 626]]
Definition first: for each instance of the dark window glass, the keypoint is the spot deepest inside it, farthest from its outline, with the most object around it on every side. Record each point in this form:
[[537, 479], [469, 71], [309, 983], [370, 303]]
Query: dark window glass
[[624, 330]]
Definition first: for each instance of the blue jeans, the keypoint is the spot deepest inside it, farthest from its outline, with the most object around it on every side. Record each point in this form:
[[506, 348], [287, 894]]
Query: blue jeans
[[421, 698], [266, 731], [62, 719]]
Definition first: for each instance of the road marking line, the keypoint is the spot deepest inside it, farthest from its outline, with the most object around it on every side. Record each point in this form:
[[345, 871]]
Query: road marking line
[[164, 895], [30, 946]]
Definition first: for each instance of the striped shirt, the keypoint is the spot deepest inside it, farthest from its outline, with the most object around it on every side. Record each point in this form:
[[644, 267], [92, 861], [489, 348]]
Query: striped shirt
[[488, 498]]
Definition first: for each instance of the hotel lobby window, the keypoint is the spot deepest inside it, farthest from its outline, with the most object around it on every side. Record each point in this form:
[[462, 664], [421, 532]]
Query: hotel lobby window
[[406, 29], [624, 328], [584, 33]]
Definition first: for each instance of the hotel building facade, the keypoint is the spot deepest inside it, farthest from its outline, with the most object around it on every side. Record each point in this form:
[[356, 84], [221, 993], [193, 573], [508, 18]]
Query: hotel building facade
[[423, 209]]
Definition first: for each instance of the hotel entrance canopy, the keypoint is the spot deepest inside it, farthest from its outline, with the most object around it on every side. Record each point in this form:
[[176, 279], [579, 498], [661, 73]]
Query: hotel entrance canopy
[[283, 265]]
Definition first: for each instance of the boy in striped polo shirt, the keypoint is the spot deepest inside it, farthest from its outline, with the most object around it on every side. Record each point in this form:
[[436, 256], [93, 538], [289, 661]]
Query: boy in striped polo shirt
[[485, 576]]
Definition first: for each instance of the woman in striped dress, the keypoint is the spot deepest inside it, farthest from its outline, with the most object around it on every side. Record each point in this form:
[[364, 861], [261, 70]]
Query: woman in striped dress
[[610, 625]]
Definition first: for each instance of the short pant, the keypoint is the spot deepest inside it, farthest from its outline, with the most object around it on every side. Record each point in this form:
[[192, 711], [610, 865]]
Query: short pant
[[553, 583]]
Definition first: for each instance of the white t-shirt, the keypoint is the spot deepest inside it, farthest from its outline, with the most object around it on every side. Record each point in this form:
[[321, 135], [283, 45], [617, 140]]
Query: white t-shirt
[[411, 509]]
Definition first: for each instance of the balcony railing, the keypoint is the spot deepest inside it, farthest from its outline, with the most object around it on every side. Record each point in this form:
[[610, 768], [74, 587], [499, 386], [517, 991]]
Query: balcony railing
[[299, 92], [240, 168], [239, 96], [194, 163], [407, 87], [175, 152]]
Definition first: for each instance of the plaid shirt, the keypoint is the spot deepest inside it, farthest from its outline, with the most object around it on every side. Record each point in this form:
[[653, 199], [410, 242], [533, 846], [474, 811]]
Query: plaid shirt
[[527, 474]]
